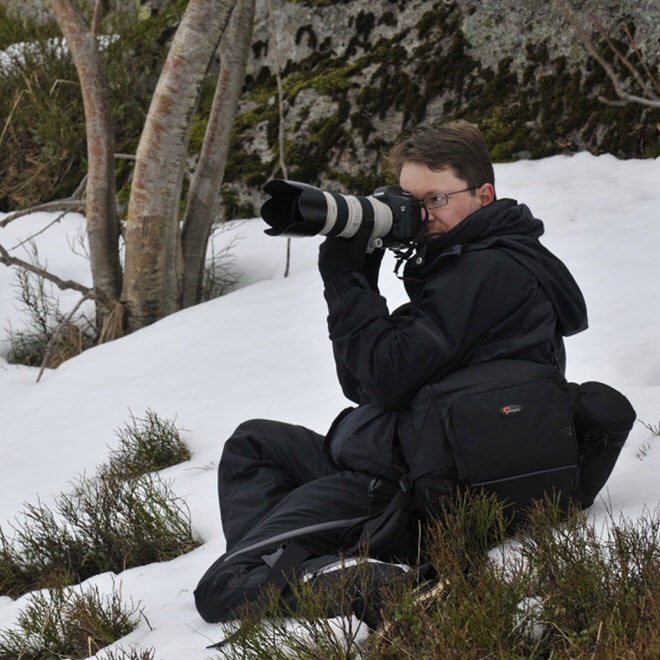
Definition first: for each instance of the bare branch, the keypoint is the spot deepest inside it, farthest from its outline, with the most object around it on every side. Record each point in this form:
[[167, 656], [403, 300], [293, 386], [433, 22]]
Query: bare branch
[[41, 231], [280, 88], [653, 101], [620, 56], [8, 260], [65, 205], [615, 103], [633, 98], [78, 192]]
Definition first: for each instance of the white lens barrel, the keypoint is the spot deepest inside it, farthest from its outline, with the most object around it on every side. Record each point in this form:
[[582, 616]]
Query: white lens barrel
[[354, 216], [383, 219], [345, 214], [331, 213]]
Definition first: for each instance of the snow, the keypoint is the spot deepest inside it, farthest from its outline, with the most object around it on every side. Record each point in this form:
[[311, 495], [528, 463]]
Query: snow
[[262, 351]]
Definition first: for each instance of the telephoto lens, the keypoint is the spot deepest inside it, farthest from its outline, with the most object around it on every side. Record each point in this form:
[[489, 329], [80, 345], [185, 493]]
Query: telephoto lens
[[300, 209]]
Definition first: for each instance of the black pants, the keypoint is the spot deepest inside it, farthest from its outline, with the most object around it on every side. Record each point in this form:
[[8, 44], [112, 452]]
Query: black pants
[[274, 482]]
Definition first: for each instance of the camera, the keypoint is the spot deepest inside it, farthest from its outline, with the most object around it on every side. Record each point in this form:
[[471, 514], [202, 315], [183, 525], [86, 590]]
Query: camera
[[299, 209]]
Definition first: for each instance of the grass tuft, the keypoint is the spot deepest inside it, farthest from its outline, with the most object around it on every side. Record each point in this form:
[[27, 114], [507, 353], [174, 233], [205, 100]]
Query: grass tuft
[[49, 337], [146, 445], [645, 449], [67, 623], [103, 524], [220, 275], [599, 588], [127, 654], [272, 629]]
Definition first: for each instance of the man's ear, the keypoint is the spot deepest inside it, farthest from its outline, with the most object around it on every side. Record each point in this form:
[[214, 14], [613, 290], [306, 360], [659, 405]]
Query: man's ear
[[486, 193]]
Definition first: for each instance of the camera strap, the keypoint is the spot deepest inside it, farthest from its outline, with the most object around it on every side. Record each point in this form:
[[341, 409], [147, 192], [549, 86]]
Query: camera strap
[[402, 255]]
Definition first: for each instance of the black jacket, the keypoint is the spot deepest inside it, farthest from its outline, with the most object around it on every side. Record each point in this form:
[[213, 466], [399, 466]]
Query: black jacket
[[485, 290]]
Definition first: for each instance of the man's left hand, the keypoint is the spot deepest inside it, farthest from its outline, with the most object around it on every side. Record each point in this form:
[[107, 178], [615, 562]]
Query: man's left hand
[[344, 255]]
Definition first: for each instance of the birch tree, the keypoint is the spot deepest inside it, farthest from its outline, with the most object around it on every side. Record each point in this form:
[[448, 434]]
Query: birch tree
[[164, 264], [203, 197], [100, 204], [153, 273]]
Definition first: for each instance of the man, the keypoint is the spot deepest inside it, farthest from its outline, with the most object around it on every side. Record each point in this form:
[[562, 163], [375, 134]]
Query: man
[[483, 291]]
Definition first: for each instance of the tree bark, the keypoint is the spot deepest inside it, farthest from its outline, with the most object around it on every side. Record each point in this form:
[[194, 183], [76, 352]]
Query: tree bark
[[204, 194], [153, 263], [100, 202]]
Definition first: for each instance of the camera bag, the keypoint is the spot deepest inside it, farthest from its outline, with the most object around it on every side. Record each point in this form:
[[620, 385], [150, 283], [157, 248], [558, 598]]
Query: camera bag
[[504, 426], [509, 427]]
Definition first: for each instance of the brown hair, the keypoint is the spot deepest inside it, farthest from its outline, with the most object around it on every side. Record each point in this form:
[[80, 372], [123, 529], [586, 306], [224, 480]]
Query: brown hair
[[458, 144]]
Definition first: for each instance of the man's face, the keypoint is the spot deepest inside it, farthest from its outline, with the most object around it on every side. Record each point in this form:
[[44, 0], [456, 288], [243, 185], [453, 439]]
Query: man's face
[[422, 182]]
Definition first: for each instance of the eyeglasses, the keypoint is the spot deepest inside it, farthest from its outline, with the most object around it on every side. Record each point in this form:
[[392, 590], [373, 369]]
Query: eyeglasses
[[442, 199]]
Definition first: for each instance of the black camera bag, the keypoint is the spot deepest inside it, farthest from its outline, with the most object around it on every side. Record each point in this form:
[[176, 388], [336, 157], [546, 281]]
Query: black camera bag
[[510, 427], [504, 426]]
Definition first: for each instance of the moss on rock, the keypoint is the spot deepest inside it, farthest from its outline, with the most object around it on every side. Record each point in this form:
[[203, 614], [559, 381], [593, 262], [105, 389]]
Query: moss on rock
[[377, 71]]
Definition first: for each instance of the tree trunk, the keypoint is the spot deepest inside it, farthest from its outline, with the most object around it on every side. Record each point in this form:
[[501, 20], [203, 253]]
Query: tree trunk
[[101, 211], [153, 267], [204, 194]]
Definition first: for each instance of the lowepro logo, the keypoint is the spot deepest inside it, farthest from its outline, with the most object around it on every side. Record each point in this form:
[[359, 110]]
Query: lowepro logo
[[511, 410]]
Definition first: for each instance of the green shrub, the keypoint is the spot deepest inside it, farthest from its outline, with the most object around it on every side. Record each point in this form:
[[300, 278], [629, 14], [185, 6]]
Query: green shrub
[[125, 516], [272, 630], [104, 524], [146, 445], [599, 587], [472, 611], [14, 28], [42, 136], [67, 623]]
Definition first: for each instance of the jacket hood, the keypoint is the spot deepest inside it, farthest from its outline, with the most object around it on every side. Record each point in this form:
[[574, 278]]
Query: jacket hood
[[511, 227]]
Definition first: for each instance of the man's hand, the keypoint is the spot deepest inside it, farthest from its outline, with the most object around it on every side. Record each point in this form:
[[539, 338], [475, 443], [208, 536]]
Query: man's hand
[[338, 256], [372, 261]]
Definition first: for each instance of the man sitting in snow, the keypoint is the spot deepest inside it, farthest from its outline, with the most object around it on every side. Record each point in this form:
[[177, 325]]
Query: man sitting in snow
[[489, 306]]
